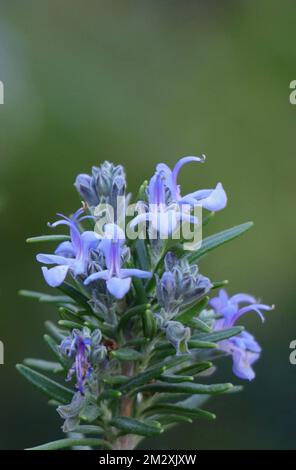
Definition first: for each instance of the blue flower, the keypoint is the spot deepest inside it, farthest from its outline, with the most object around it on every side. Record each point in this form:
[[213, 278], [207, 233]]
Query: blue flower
[[166, 202], [70, 255], [118, 280], [243, 348], [211, 199], [163, 216], [78, 347]]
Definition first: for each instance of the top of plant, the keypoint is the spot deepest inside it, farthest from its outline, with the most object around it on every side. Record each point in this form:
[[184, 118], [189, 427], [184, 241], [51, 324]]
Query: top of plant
[[138, 332]]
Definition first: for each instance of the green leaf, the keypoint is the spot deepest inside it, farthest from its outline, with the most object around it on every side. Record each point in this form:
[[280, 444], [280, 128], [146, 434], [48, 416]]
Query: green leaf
[[212, 242], [135, 426], [55, 299], [48, 238], [198, 344], [194, 401], [218, 284], [30, 294], [54, 331], [176, 378], [48, 386], [76, 295], [217, 336], [193, 311], [198, 324], [194, 343], [46, 366], [67, 314], [179, 410], [166, 420], [126, 354], [130, 313], [68, 443], [143, 378], [149, 324], [115, 379], [109, 395], [70, 325], [189, 387], [142, 255], [195, 369], [55, 349], [89, 429]]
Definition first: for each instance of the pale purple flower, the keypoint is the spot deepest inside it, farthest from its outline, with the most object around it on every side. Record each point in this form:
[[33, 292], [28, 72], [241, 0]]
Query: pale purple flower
[[118, 279], [211, 199], [70, 255], [244, 348], [163, 217], [77, 346], [167, 207]]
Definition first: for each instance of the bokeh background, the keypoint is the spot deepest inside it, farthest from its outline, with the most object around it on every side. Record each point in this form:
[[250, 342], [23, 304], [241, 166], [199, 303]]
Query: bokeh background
[[138, 82]]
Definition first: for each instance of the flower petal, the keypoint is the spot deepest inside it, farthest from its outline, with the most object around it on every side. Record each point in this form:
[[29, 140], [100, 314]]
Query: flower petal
[[211, 199], [105, 275], [54, 259], [65, 249], [254, 307], [55, 276], [135, 272], [183, 161], [237, 298], [242, 362], [118, 286]]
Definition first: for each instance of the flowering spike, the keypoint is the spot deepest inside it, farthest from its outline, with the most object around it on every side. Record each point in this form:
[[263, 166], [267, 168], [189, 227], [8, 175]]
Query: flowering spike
[[124, 339]]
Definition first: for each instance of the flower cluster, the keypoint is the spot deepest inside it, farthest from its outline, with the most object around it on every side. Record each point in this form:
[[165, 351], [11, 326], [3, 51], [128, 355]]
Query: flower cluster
[[243, 348], [137, 315]]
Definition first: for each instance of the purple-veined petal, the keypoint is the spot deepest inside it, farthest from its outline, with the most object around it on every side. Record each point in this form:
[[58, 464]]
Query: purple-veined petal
[[237, 298], [242, 364], [165, 222], [135, 272], [65, 249], [54, 259], [89, 240], [118, 286], [254, 307], [105, 275], [183, 161], [55, 276], [211, 199], [219, 302], [156, 190]]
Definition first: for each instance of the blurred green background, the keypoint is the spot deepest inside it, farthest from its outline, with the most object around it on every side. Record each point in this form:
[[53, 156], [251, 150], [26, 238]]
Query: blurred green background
[[138, 82]]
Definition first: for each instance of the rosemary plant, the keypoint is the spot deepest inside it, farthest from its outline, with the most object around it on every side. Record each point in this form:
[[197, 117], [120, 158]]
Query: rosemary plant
[[139, 327]]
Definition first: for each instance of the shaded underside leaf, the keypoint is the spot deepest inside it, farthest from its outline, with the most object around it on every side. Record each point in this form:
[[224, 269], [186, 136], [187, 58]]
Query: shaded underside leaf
[[48, 386], [143, 378], [190, 388], [48, 238], [192, 311], [89, 429], [126, 354], [217, 336], [72, 442], [135, 426], [179, 410], [46, 366], [218, 239]]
